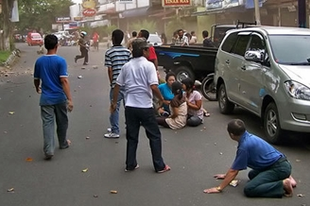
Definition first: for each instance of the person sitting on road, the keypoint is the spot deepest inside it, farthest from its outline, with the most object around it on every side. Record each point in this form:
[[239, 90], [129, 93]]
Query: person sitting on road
[[178, 108], [194, 103], [165, 90], [271, 171]]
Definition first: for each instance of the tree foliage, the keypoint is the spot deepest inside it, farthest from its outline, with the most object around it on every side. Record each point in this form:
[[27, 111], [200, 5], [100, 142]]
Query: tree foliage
[[145, 24], [41, 14]]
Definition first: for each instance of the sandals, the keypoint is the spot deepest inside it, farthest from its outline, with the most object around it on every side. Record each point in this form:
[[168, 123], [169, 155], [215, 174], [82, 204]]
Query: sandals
[[166, 169], [206, 114]]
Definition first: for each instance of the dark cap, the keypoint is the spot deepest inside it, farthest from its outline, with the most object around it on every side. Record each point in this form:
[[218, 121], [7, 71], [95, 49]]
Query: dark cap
[[140, 43]]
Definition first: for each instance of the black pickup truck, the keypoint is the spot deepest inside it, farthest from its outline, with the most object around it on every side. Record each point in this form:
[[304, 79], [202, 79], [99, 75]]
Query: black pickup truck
[[195, 62]]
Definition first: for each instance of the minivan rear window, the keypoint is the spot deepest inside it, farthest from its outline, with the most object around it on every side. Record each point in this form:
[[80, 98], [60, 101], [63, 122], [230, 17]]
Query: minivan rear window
[[291, 49], [229, 42]]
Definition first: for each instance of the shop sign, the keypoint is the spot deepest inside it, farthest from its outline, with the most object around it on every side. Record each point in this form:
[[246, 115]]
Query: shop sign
[[176, 3], [125, 1], [63, 19], [89, 12]]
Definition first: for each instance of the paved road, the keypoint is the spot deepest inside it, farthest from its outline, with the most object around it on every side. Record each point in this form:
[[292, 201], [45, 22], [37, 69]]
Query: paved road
[[194, 154]]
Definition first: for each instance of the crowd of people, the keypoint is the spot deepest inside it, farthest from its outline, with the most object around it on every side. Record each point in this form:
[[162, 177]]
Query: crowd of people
[[133, 78], [183, 38]]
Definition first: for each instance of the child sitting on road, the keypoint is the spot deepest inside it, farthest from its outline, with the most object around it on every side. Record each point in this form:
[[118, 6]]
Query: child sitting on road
[[178, 109]]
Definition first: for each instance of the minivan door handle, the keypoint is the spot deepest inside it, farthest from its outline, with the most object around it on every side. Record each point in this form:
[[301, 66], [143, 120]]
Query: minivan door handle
[[227, 61], [243, 67]]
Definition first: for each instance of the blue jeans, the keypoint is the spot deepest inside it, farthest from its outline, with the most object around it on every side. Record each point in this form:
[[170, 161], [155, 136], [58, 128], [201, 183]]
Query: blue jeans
[[145, 117], [50, 113], [114, 117], [268, 183]]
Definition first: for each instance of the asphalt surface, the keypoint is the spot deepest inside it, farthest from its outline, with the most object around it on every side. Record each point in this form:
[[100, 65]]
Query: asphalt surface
[[194, 154]]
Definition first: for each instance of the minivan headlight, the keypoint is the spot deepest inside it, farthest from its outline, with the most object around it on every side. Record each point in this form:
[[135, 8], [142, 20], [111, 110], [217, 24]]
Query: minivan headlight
[[297, 90]]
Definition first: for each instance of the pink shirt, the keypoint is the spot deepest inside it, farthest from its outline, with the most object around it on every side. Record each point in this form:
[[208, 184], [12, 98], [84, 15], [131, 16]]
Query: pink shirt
[[193, 97]]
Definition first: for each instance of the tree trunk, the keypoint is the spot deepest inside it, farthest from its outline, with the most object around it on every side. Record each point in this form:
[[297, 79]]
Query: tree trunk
[[7, 29]]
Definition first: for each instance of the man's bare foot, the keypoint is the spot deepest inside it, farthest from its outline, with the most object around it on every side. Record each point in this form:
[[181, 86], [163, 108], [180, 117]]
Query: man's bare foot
[[287, 186], [293, 181], [69, 142]]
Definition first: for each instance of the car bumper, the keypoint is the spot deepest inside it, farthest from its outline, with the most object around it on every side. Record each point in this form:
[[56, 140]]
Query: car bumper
[[296, 116]]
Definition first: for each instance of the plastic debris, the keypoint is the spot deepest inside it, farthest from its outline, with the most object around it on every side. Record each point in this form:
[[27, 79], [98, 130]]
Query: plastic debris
[[221, 153], [11, 113], [300, 195], [234, 183], [87, 137], [85, 170], [113, 191], [80, 77], [10, 190]]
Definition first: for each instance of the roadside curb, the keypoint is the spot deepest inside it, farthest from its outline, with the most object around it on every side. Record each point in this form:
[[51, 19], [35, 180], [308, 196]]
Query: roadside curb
[[6, 66]]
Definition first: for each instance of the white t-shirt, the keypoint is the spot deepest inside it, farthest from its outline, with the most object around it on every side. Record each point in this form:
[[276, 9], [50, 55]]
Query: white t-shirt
[[137, 76]]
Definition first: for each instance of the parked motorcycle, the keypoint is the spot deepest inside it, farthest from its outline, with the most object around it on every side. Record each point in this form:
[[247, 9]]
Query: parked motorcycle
[[208, 88]]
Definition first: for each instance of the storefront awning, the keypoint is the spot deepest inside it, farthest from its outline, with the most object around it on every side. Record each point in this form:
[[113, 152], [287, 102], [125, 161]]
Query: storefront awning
[[135, 12]]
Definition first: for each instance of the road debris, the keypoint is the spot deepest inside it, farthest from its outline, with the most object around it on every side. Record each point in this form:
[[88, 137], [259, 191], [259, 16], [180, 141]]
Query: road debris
[[80, 77], [11, 190], [113, 191], [234, 183], [29, 159], [85, 170]]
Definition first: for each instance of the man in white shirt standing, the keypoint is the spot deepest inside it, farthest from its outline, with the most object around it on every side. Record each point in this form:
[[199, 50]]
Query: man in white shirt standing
[[140, 81]]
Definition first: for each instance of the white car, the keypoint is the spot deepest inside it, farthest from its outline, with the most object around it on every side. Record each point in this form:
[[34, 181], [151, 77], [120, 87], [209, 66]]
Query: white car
[[155, 40]]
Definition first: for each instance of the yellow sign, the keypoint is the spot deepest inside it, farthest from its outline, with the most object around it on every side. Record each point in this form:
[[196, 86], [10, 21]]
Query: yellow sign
[[89, 4]]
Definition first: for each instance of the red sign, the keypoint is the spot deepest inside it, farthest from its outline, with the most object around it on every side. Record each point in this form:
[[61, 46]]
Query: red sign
[[176, 3], [89, 12]]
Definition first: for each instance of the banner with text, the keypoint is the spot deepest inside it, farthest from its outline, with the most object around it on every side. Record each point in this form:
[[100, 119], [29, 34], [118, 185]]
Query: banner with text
[[176, 3]]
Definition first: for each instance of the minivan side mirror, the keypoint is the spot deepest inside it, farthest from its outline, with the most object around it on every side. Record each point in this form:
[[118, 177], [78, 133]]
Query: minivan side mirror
[[255, 56]]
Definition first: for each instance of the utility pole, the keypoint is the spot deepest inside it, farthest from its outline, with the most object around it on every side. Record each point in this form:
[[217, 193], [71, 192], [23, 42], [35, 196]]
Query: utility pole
[[257, 13]]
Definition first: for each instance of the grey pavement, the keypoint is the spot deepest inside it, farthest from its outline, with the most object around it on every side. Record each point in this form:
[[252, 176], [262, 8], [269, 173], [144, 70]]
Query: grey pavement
[[194, 154]]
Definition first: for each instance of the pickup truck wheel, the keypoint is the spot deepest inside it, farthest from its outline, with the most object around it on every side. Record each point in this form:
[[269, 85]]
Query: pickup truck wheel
[[272, 124], [226, 107], [184, 72], [208, 88]]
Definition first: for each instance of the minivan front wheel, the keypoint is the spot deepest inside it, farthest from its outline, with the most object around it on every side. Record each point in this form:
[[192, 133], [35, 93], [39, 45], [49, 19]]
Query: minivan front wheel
[[272, 126], [226, 106]]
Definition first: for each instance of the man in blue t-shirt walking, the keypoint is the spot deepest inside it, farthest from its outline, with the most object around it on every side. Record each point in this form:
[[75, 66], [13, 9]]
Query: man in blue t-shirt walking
[[51, 81], [271, 171]]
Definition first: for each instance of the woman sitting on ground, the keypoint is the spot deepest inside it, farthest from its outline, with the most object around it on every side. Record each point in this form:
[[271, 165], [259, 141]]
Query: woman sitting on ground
[[165, 90], [178, 108], [194, 103]]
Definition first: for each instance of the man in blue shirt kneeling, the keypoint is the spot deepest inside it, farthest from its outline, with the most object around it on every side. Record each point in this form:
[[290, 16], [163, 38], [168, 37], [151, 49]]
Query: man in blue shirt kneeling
[[271, 171]]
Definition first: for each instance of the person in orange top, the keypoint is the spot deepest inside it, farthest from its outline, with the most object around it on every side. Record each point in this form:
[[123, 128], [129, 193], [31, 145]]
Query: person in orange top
[[96, 41]]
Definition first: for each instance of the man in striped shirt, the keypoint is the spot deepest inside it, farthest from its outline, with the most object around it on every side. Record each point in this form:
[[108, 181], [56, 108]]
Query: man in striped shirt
[[115, 58]]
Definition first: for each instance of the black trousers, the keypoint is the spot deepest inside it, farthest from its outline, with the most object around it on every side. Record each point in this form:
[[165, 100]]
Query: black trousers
[[84, 54]]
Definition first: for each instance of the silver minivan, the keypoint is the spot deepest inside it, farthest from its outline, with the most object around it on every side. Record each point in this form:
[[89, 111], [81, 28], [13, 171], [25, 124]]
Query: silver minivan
[[266, 70]]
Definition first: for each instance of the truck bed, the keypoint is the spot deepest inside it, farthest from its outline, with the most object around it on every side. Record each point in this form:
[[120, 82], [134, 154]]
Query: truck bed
[[198, 60]]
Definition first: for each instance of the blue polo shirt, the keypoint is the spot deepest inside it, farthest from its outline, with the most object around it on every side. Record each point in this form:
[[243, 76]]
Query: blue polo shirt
[[49, 69], [255, 153]]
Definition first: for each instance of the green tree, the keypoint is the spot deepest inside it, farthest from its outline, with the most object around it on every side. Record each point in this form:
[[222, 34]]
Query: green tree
[[174, 25], [145, 24], [41, 14]]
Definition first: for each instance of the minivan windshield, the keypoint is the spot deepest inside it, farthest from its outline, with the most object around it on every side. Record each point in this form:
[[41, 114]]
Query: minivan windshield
[[291, 49]]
